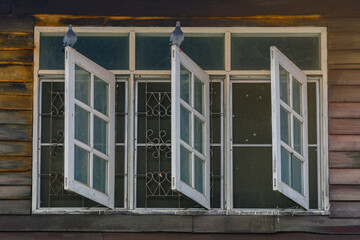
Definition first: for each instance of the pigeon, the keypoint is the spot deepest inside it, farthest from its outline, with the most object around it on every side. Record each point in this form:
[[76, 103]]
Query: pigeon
[[70, 38], [177, 36]]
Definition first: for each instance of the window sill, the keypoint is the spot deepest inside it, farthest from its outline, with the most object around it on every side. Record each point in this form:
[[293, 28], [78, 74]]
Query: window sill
[[183, 212]]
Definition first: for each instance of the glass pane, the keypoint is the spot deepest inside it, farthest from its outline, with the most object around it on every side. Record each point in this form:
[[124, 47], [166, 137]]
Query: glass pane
[[82, 85], [81, 168], [251, 112], [82, 125], [252, 184], [313, 180], [284, 85], [199, 175], [296, 93], [185, 166], [110, 52], [207, 52], [296, 174], [101, 91], [153, 53], [198, 95], [185, 84], [252, 52], [100, 174], [100, 135], [285, 126], [285, 166], [198, 135], [185, 125], [298, 146]]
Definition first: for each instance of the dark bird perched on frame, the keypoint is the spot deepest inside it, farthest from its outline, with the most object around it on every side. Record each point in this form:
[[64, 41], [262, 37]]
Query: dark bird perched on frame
[[177, 36], [70, 38]]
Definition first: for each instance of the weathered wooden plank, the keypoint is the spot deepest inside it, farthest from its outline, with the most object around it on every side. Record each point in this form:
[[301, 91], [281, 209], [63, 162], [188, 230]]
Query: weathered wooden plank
[[16, 40], [168, 8], [15, 163], [344, 66], [317, 224], [15, 117], [234, 224], [19, 102], [344, 94], [16, 132], [344, 143], [15, 192], [344, 159], [16, 87], [16, 73], [344, 126], [344, 40], [15, 207], [51, 235], [15, 178], [343, 56], [20, 57], [344, 77], [346, 210], [14, 148], [344, 193], [207, 236], [344, 110], [342, 24], [97, 223], [24, 23], [344, 176]]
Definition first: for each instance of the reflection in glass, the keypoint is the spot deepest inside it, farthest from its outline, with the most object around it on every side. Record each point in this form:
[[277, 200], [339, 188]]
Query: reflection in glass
[[296, 93], [185, 82], [185, 166], [101, 90], [82, 125], [284, 85], [82, 85], [298, 136], [81, 168], [100, 174], [185, 125], [199, 175], [296, 174], [285, 166], [100, 135], [198, 95], [285, 126], [198, 135]]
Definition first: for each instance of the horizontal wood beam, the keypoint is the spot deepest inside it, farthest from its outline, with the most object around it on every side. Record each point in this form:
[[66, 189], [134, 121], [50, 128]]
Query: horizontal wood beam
[[15, 207], [15, 164], [344, 77], [345, 192], [344, 159], [344, 110], [347, 210], [344, 93], [344, 143], [344, 126]]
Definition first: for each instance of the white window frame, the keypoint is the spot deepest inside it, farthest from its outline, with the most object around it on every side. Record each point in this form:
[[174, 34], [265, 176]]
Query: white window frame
[[179, 58], [228, 73], [278, 59], [73, 58]]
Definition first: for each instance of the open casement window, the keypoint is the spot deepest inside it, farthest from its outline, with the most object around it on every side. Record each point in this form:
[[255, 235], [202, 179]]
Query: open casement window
[[89, 129], [190, 134], [289, 129]]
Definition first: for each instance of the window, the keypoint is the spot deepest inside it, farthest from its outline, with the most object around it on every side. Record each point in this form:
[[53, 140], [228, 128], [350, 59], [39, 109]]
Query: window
[[194, 129]]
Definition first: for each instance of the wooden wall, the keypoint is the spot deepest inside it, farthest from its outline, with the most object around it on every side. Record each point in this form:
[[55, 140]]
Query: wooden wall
[[18, 17]]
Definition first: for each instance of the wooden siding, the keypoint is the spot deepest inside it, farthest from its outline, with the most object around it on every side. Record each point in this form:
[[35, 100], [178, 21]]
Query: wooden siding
[[17, 19]]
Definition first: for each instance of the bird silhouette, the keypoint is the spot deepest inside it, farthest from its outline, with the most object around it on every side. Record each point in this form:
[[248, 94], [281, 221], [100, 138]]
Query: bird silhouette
[[177, 36]]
